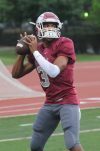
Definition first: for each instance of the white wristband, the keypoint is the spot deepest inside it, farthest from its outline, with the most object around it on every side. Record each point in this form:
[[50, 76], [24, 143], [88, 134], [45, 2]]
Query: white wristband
[[51, 69]]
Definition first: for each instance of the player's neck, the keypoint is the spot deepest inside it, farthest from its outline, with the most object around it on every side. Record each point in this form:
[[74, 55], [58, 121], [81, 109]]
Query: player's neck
[[47, 43]]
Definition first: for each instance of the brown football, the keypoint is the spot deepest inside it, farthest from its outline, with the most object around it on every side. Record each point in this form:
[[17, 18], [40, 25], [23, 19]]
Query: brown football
[[22, 48]]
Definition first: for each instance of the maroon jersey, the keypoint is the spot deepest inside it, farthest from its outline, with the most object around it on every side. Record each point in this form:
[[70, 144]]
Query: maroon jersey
[[59, 89]]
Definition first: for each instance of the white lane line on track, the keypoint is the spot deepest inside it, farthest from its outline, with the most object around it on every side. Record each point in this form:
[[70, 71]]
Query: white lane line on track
[[91, 102], [93, 98], [20, 110], [87, 84], [31, 107], [18, 115], [81, 66], [35, 113], [34, 104], [20, 105], [55, 134]]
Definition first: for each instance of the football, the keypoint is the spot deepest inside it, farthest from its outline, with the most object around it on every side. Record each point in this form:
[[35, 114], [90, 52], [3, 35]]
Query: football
[[22, 48]]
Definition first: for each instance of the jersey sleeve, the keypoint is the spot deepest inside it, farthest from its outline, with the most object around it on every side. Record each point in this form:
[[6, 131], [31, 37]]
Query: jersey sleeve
[[66, 48]]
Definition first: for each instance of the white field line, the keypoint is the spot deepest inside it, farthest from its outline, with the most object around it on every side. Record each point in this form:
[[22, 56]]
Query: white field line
[[27, 124], [98, 117], [55, 134]]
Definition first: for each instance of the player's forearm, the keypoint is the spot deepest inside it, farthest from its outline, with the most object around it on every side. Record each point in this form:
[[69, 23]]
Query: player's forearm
[[17, 70], [51, 69]]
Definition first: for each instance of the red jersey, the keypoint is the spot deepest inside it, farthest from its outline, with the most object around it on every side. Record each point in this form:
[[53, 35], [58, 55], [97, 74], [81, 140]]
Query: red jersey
[[59, 89]]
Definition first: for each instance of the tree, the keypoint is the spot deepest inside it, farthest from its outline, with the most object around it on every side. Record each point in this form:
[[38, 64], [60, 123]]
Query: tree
[[95, 13], [18, 11], [5, 8], [69, 10]]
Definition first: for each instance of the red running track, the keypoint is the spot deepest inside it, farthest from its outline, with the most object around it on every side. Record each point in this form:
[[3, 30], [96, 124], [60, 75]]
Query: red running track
[[87, 81]]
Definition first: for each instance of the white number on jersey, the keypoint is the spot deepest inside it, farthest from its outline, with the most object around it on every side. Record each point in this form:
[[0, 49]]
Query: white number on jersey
[[44, 77]]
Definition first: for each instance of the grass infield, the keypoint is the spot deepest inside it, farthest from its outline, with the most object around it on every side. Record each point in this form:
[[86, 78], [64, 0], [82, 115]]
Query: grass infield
[[8, 56], [21, 128]]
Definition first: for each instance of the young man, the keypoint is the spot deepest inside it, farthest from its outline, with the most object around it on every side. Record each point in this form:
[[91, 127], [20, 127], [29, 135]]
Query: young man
[[54, 59]]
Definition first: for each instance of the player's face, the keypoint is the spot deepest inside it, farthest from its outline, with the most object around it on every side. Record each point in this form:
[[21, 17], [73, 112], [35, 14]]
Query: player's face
[[49, 26]]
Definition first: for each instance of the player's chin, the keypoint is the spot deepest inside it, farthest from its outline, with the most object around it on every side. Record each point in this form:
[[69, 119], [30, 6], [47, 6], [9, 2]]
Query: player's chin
[[49, 39]]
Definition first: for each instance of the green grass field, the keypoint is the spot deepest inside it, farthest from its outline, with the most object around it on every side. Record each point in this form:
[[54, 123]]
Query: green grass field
[[8, 56], [12, 128]]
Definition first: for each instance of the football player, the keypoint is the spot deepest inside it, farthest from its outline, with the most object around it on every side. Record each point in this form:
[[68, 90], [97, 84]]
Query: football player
[[53, 56]]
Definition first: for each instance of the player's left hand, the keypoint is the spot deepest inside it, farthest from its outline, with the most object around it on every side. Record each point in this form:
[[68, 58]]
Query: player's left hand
[[31, 40]]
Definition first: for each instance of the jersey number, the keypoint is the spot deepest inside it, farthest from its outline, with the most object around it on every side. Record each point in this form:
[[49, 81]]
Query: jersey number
[[44, 77]]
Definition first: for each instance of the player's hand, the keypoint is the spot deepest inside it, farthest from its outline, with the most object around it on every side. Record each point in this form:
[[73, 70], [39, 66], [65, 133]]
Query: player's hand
[[22, 48], [31, 40], [23, 35]]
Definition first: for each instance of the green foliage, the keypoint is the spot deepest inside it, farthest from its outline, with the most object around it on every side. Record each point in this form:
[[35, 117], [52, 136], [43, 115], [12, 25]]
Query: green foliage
[[92, 7], [95, 12], [5, 8], [8, 56], [23, 10], [18, 11]]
